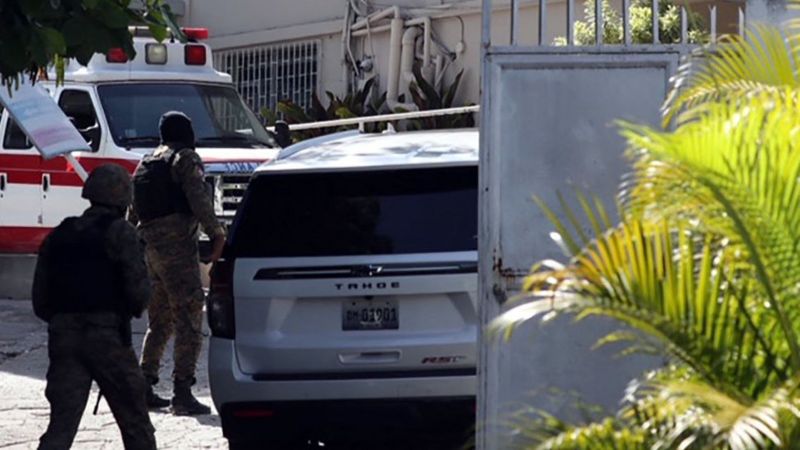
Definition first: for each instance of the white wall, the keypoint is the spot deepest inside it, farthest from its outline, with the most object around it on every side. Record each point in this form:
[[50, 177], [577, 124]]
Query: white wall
[[231, 17], [243, 23]]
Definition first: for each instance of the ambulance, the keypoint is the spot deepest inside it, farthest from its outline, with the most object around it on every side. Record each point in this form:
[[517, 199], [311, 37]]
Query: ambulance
[[116, 103]]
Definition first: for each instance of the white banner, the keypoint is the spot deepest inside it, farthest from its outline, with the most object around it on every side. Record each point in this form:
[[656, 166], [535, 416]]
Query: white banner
[[42, 120]]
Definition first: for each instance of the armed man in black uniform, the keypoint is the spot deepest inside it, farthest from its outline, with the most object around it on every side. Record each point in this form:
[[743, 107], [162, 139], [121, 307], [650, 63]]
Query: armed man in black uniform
[[90, 279]]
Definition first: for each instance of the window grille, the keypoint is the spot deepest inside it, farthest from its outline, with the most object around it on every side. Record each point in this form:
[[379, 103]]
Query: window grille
[[267, 74]]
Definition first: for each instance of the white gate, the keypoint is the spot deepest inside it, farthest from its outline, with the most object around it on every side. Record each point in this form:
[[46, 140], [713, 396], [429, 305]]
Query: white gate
[[547, 125]]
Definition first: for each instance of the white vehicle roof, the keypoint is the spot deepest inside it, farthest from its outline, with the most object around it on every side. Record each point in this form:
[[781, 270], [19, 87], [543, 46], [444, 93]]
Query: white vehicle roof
[[175, 69], [379, 150]]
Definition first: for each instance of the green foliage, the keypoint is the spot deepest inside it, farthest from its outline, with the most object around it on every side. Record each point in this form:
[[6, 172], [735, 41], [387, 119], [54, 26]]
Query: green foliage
[[426, 97], [363, 103], [358, 104], [641, 24], [37, 33], [703, 263]]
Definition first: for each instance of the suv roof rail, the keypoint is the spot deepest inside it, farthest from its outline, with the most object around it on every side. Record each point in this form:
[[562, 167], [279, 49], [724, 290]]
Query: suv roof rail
[[361, 121], [302, 145]]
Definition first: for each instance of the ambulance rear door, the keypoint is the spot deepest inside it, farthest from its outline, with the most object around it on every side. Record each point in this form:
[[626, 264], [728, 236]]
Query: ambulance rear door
[[21, 182], [61, 185]]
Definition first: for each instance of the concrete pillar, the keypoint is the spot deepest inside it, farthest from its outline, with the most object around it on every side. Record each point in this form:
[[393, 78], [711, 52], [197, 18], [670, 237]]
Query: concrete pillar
[[768, 11]]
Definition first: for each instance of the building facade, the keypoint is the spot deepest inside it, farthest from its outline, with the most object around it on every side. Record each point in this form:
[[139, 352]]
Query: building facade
[[290, 49]]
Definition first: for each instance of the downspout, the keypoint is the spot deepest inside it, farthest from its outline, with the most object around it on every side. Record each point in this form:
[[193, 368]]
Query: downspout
[[427, 67], [345, 45], [395, 43], [407, 56], [401, 64]]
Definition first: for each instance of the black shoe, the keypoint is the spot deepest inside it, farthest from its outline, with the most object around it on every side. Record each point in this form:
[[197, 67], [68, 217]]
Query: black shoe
[[154, 401], [184, 403]]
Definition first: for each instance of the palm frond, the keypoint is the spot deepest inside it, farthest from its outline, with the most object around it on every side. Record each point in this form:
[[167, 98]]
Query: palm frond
[[734, 171], [761, 61]]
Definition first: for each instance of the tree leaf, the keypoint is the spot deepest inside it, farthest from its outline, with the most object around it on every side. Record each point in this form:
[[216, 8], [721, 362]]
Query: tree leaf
[[171, 22], [74, 31], [13, 54], [344, 113], [111, 15], [432, 98], [318, 112], [417, 98], [158, 31], [450, 94], [53, 40], [361, 96]]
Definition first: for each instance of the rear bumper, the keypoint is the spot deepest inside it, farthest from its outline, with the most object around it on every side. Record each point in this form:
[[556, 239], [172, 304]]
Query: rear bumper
[[231, 385], [439, 420], [248, 405]]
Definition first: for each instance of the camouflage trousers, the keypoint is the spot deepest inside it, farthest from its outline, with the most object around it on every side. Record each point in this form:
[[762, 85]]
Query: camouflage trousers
[[86, 347], [176, 307]]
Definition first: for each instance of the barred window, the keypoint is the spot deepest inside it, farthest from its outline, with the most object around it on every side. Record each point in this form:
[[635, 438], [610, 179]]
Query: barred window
[[267, 74]]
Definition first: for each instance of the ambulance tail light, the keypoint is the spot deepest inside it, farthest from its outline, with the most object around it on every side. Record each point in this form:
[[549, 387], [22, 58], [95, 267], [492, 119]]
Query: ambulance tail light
[[116, 55], [196, 34], [195, 55], [220, 305]]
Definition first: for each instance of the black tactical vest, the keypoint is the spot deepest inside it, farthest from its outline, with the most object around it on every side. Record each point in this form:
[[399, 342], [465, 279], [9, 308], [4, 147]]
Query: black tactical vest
[[155, 194], [81, 276]]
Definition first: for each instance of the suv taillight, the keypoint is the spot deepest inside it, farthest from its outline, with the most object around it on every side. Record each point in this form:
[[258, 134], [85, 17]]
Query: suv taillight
[[219, 305]]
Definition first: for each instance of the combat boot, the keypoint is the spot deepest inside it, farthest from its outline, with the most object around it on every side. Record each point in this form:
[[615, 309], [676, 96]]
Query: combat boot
[[184, 403], [153, 400]]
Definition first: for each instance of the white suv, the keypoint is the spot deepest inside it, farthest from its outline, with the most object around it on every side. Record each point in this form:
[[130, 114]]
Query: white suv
[[346, 303]]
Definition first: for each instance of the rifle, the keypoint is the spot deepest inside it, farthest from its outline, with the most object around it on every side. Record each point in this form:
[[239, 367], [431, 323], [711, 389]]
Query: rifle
[[97, 405]]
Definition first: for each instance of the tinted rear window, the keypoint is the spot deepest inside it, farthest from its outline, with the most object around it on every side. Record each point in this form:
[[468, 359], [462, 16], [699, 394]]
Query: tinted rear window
[[359, 213]]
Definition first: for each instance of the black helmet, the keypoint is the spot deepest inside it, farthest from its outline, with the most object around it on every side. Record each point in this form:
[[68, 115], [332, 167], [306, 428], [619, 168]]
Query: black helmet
[[176, 130], [109, 184]]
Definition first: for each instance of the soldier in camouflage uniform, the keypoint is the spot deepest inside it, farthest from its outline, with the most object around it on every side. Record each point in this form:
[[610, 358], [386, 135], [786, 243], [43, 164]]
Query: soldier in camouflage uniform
[[90, 279], [170, 200]]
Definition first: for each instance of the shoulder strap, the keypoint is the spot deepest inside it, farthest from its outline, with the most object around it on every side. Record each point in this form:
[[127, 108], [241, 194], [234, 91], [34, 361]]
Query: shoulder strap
[[172, 156]]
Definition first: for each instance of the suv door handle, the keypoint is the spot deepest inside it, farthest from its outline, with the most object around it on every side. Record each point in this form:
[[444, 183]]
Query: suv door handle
[[46, 182], [3, 182]]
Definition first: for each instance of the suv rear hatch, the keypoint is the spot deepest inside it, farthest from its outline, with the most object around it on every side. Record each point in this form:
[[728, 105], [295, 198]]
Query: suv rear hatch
[[369, 273]]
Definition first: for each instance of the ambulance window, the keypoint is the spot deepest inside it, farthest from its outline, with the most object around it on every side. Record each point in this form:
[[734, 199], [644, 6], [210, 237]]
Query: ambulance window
[[77, 105], [15, 138]]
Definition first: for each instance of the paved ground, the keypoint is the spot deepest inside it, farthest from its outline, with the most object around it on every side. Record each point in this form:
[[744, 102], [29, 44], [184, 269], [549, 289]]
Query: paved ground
[[24, 409]]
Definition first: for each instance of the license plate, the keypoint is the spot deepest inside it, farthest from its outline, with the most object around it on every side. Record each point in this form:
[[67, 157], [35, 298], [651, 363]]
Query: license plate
[[370, 315]]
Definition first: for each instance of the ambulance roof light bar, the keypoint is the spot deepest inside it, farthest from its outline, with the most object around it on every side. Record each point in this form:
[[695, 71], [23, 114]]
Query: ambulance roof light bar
[[361, 121], [194, 34]]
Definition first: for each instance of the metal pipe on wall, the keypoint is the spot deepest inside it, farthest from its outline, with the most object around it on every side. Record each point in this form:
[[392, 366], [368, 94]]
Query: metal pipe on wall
[[346, 27], [380, 29], [393, 11], [395, 42], [407, 56], [426, 44]]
